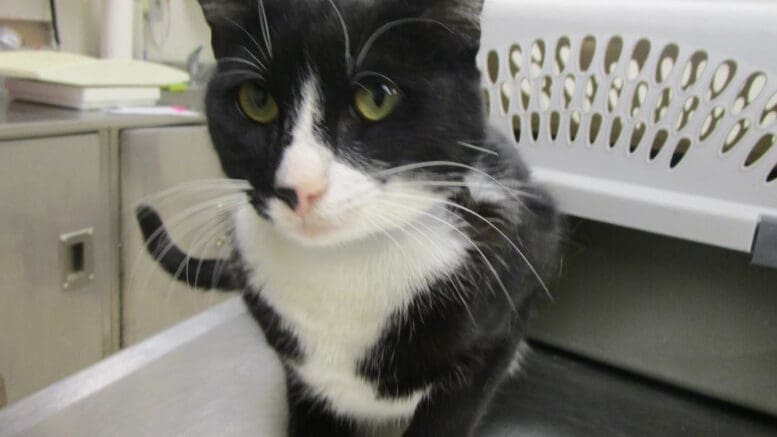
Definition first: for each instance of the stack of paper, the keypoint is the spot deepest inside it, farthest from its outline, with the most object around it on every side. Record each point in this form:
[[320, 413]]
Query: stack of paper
[[83, 82]]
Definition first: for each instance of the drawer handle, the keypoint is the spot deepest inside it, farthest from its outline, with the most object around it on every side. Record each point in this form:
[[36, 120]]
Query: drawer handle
[[76, 257]]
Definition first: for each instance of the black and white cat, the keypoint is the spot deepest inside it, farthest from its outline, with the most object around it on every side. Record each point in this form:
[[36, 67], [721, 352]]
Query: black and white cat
[[388, 242]]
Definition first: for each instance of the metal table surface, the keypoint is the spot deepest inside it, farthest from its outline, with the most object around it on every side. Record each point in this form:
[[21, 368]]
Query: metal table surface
[[215, 375]]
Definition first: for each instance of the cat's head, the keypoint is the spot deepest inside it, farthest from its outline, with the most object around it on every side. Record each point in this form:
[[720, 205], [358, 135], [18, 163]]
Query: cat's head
[[336, 111]]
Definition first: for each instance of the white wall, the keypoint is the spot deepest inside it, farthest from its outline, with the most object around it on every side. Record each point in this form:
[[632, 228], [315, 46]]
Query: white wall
[[80, 26], [187, 31]]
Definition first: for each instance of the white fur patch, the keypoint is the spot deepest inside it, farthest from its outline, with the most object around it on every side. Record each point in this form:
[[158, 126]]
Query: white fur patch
[[306, 161], [338, 299], [484, 189]]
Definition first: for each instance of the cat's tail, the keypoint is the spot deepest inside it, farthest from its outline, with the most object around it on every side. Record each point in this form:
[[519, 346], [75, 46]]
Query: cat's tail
[[206, 274]]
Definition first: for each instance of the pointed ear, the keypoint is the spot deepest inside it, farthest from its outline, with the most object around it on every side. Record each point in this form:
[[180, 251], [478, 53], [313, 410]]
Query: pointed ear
[[462, 15], [219, 11], [228, 21]]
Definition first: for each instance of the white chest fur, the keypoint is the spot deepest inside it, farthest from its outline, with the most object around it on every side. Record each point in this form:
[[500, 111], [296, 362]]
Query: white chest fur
[[338, 300]]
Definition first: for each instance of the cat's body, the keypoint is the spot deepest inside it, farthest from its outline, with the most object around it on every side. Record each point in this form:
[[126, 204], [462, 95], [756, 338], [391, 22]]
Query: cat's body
[[391, 257]]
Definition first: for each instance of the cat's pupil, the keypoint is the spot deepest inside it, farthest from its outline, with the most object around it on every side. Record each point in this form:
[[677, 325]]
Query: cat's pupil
[[379, 95], [259, 97]]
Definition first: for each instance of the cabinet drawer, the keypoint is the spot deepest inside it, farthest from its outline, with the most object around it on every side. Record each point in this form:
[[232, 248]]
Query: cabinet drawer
[[152, 160], [49, 188]]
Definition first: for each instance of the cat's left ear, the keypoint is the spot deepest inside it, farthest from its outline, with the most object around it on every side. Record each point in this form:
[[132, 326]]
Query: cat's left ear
[[463, 16]]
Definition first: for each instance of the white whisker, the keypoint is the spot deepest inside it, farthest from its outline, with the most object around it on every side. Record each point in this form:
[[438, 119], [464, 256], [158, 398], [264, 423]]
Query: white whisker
[[469, 240], [479, 149], [182, 231], [237, 60], [437, 245], [248, 34], [265, 25], [431, 164], [205, 239], [229, 201], [259, 62], [195, 186], [388, 26], [490, 224], [346, 37]]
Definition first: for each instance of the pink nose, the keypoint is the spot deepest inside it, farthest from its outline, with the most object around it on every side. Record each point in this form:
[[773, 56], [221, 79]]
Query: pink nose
[[301, 199]]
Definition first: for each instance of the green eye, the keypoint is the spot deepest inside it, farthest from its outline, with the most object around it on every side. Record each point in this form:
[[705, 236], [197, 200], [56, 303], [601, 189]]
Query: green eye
[[256, 103], [377, 100]]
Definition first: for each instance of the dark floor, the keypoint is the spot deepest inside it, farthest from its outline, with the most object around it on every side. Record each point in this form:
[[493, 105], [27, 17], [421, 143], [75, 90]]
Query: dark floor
[[562, 395]]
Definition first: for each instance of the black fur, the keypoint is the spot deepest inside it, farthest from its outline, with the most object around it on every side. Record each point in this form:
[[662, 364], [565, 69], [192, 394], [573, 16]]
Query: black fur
[[459, 346], [206, 274], [434, 67]]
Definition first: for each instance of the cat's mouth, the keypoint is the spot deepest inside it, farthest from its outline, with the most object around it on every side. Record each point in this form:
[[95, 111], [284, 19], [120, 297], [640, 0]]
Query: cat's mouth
[[315, 230], [311, 228]]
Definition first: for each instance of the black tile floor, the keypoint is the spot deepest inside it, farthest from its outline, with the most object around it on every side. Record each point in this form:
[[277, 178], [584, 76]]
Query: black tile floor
[[565, 396]]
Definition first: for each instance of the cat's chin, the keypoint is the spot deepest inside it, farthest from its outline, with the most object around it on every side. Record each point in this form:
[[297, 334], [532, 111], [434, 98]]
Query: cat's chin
[[316, 235]]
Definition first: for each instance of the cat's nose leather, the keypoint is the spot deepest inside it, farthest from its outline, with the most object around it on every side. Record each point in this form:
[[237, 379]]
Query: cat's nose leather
[[287, 196], [302, 198]]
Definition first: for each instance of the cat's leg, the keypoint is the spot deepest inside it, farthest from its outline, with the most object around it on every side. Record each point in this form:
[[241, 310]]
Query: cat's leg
[[456, 412], [309, 417]]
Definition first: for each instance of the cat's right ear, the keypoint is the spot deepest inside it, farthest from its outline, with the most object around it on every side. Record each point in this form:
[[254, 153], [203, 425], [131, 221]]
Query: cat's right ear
[[218, 11], [226, 19]]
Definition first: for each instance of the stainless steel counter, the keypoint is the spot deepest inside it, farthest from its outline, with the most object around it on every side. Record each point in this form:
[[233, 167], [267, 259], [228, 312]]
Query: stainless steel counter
[[214, 375], [211, 375], [27, 120]]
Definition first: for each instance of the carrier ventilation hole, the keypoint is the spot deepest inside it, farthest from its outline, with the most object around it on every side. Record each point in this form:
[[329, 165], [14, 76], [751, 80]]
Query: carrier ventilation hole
[[486, 102], [664, 100], [711, 122], [525, 93], [689, 109], [517, 128], [563, 48], [750, 91], [574, 125], [679, 152], [723, 76], [760, 149], [736, 134], [555, 122], [537, 57], [640, 92], [770, 112], [569, 91], [616, 88], [636, 136], [535, 126], [591, 88], [693, 69], [615, 131], [547, 85], [596, 126], [772, 175], [638, 58], [516, 60], [666, 62], [613, 54], [505, 91], [658, 143], [587, 51], [493, 66]]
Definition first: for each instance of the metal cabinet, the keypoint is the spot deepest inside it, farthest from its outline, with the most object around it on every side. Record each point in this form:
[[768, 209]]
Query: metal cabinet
[[153, 160], [58, 268]]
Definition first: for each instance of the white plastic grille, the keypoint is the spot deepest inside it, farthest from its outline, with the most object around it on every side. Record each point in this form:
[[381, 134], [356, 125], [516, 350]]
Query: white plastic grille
[[682, 131]]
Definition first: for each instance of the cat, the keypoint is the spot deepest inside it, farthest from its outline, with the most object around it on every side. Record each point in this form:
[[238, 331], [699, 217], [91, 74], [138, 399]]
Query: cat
[[389, 243]]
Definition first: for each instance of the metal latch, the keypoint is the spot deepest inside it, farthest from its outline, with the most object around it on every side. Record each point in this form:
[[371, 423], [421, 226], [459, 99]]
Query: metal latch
[[765, 243], [76, 257]]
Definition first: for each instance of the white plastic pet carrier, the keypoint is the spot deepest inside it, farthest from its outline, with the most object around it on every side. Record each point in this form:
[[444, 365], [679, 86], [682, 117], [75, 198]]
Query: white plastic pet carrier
[[657, 115]]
